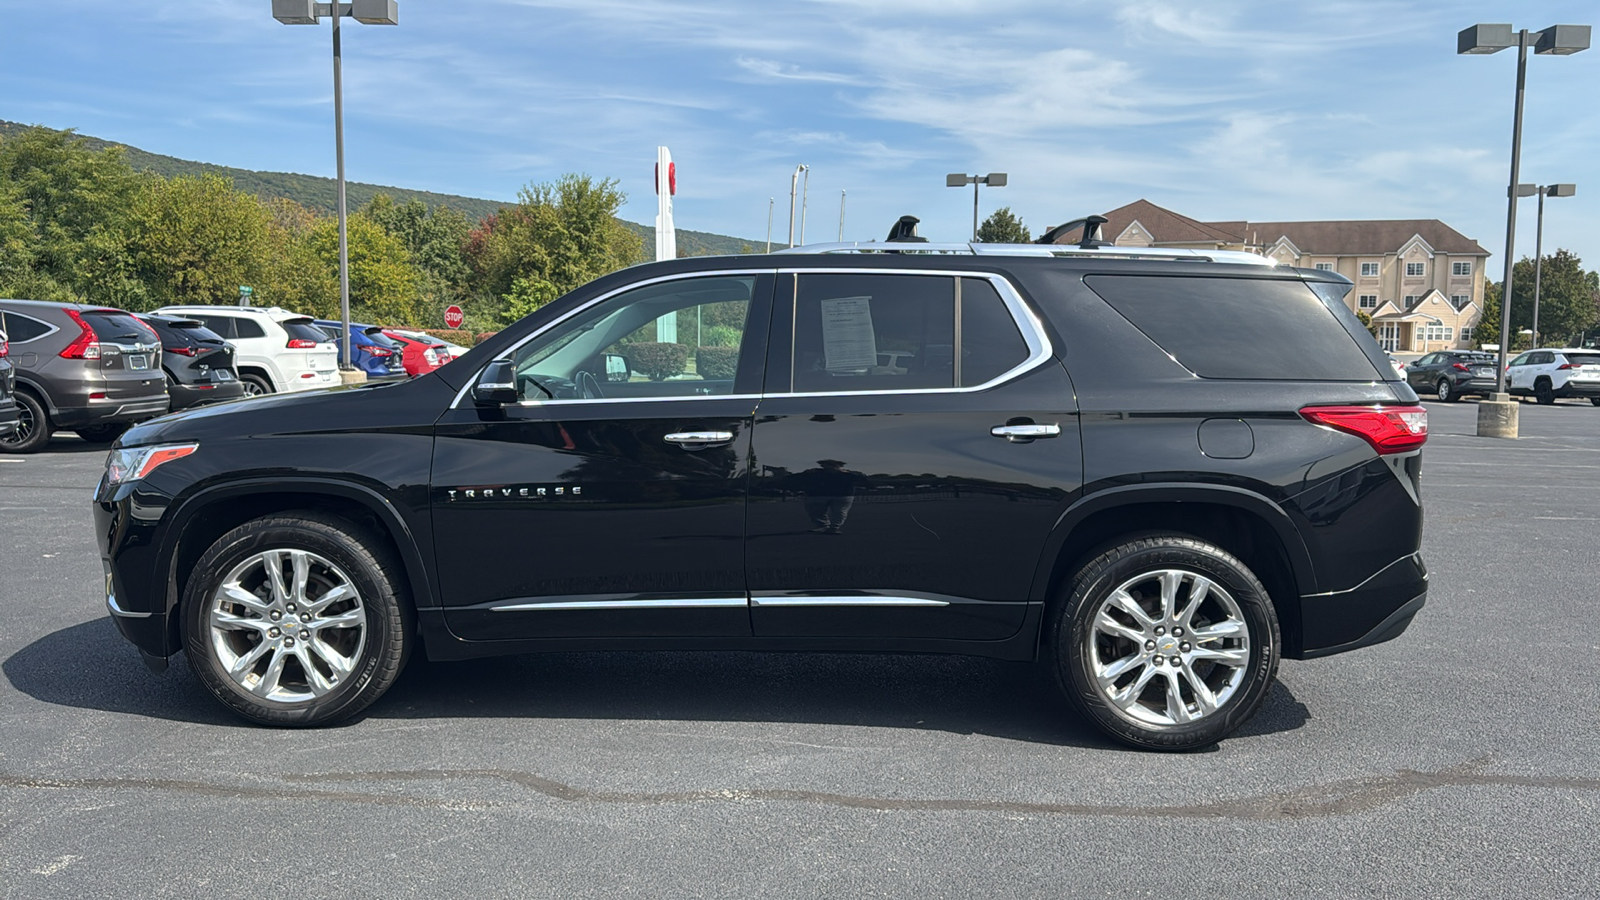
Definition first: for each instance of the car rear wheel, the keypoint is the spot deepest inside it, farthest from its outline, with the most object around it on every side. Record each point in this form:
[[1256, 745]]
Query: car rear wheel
[[1445, 393], [255, 385], [1165, 642], [296, 620], [104, 433], [1594, 401], [33, 427], [1542, 392]]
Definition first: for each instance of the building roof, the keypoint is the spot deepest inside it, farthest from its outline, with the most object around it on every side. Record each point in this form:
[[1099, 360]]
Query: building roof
[[1355, 237]]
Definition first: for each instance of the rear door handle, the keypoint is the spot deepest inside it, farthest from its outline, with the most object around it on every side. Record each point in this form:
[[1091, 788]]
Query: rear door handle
[[1019, 433], [695, 440]]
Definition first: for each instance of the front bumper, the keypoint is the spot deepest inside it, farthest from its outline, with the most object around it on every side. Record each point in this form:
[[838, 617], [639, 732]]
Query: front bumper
[[128, 523]]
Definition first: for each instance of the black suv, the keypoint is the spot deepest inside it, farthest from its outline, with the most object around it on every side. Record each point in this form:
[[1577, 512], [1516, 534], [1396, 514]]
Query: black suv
[[1453, 374], [1158, 471]]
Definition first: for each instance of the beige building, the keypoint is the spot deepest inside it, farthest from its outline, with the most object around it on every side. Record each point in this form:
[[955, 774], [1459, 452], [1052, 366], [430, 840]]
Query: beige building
[[1420, 280]]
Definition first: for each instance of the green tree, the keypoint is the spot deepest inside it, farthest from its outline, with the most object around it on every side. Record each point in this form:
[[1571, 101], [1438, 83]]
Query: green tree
[[196, 240], [559, 236], [1366, 322], [433, 238], [383, 281], [1003, 228], [1567, 306], [63, 214]]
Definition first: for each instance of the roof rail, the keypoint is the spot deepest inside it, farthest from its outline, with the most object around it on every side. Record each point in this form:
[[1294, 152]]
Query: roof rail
[[1047, 250]]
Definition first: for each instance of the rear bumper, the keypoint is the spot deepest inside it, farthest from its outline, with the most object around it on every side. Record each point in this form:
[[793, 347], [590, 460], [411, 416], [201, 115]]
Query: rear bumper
[[1483, 386], [135, 409], [185, 395], [1579, 389], [1377, 610]]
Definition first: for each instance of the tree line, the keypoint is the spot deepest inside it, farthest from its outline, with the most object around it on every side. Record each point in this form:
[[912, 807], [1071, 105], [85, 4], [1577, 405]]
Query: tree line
[[82, 225]]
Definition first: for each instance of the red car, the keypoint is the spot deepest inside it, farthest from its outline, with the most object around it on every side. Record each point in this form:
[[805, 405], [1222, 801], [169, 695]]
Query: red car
[[422, 354]]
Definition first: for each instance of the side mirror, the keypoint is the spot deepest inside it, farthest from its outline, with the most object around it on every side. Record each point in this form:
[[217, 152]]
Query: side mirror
[[497, 386], [616, 367]]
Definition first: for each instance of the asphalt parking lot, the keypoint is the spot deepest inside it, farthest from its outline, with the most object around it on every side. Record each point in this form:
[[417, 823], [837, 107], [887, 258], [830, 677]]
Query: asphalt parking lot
[[1457, 761]]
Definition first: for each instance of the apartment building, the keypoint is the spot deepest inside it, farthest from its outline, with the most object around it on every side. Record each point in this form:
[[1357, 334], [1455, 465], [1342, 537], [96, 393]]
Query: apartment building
[[1420, 280]]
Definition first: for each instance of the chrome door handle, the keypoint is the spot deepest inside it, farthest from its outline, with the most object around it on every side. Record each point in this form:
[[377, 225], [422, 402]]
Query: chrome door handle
[[694, 440], [1019, 433]]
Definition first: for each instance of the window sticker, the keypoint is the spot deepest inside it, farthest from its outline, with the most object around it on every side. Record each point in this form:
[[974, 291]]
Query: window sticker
[[848, 341]]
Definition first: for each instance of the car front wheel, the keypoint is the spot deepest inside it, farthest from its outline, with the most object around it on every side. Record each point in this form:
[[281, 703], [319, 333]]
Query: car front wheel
[[1165, 642], [296, 620]]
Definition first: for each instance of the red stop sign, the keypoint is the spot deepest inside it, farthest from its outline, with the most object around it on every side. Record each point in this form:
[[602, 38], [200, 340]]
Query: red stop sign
[[453, 317]]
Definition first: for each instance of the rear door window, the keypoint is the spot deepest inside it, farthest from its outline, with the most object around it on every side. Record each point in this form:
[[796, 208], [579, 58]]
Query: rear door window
[[21, 329], [991, 343], [248, 328], [874, 332], [1239, 328]]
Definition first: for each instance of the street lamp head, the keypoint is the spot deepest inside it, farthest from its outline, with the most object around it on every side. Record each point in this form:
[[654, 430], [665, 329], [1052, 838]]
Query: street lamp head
[[295, 12], [957, 179], [1485, 39], [995, 179], [1562, 40], [1527, 190], [1561, 190]]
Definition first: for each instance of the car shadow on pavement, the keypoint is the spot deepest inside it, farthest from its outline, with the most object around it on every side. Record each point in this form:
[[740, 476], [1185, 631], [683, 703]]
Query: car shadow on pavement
[[956, 694]]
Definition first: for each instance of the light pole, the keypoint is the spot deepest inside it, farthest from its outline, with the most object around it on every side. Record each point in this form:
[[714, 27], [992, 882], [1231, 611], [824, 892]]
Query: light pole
[[1557, 40], [769, 224], [794, 184], [841, 217], [1544, 190], [957, 179], [367, 12]]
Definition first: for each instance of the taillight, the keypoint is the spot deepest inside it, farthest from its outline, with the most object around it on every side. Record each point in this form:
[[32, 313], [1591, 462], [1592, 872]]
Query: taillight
[[380, 352], [5, 348], [301, 344], [85, 345], [1567, 366], [1389, 429], [428, 356], [1460, 366], [184, 351]]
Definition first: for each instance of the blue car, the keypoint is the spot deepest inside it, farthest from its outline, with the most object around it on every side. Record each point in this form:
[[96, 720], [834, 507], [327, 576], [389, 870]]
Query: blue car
[[382, 358]]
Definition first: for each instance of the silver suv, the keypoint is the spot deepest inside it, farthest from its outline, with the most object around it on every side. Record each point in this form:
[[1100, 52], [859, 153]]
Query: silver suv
[[90, 369]]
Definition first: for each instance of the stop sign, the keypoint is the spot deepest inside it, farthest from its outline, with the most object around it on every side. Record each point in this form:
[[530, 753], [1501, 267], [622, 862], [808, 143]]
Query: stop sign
[[453, 317]]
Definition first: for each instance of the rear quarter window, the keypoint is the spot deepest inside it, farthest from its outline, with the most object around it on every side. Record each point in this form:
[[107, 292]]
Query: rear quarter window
[[1239, 328], [22, 329]]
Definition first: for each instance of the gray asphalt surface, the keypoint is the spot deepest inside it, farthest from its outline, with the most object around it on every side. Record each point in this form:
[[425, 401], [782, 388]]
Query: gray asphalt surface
[[1458, 761]]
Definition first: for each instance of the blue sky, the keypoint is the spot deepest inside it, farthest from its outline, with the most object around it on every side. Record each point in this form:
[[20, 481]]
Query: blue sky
[[1218, 110]]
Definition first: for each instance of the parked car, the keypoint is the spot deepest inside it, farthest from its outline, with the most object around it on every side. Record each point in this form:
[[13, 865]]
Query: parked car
[[421, 354], [1549, 374], [1453, 374], [370, 351], [90, 369], [275, 350], [1229, 474], [8, 384], [198, 364]]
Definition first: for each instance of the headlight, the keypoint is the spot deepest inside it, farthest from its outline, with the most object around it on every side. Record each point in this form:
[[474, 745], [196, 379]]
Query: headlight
[[135, 463]]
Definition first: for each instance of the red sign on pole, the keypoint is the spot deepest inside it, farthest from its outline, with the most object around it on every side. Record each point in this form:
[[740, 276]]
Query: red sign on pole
[[453, 317]]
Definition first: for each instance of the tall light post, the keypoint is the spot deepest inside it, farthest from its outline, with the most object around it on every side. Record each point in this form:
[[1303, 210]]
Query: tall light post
[[367, 12], [1544, 190], [993, 179], [1557, 40], [841, 217], [794, 184], [769, 224]]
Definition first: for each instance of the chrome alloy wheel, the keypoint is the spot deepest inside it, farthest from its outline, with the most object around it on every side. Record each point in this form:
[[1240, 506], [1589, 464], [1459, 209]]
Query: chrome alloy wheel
[[1169, 647], [287, 625]]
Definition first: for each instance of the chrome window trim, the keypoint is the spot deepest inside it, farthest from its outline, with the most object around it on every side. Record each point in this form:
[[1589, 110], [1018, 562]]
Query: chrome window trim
[[678, 276], [1040, 349], [687, 603], [846, 601], [39, 337]]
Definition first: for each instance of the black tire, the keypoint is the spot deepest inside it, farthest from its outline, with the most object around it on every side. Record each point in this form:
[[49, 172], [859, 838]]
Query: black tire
[[1444, 391], [104, 433], [1542, 392], [1075, 644], [255, 385], [33, 428], [363, 559], [1594, 401]]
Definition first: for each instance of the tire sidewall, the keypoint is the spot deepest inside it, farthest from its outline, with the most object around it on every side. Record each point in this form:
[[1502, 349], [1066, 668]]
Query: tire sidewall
[[262, 386], [1444, 392], [1073, 633], [385, 628], [41, 426]]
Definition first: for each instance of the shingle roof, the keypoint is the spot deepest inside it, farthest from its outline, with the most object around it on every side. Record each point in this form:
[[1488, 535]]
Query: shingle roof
[[1355, 237]]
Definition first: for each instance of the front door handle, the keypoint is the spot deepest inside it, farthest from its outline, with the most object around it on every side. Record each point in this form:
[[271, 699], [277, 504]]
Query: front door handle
[[1020, 433], [695, 440]]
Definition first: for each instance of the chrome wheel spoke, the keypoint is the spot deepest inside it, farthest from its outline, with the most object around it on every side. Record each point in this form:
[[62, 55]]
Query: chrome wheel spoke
[[1105, 623], [355, 618], [1125, 602], [340, 664], [246, 662], [342, 592], [231, 622], [1110, 672], [269, 679], [315, 680], [1199, 590], [300, 561], [1236, 658], [1177, 709], [272, 561], [1203, 697], [1217, 631], [235, 593], [1128, 696], [1169, 594]]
